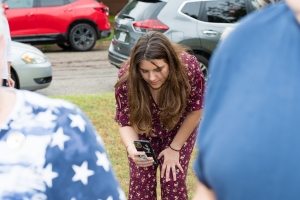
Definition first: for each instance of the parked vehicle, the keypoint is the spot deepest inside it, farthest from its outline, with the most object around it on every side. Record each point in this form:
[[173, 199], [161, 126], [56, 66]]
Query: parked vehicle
[[73, 24], [30, 68], [197, 24]]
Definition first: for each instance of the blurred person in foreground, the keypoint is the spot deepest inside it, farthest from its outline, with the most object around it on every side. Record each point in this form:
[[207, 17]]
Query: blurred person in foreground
[[50, 150], [159, 98], [7, 58], [250, 133]]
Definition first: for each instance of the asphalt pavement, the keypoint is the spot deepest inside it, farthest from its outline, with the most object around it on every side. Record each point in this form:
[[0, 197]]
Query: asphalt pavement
[[80, 72]]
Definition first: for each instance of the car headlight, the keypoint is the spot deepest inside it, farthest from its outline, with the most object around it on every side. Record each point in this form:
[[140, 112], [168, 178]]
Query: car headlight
[[33, 58]]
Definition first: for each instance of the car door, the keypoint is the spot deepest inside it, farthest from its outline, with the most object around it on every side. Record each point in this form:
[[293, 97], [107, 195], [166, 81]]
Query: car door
[[216, 16], [54, 17], [190, 11], [21, 16]]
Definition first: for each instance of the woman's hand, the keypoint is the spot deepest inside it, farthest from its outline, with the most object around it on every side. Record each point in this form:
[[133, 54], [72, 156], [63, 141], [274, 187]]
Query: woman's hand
[[135, 156], [171, 160]]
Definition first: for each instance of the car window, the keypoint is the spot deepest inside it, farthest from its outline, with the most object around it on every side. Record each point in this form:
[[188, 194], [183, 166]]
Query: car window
[[225, 11], [140, 10], [19, 3], [47, 3], [191, 9]]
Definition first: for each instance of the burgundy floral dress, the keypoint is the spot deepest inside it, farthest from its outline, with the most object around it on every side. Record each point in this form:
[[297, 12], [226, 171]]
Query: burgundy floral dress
[[143, 180]]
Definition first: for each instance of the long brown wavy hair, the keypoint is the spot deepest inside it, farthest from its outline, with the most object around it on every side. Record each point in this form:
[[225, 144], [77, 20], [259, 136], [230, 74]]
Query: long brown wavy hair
[[173, 93]]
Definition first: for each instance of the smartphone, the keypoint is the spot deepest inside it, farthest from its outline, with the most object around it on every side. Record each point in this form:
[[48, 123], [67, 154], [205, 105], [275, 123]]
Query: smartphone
[[144, 145]]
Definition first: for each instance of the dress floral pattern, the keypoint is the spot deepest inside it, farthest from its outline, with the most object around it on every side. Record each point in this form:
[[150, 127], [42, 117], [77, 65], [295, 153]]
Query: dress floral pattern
[[143, 180]]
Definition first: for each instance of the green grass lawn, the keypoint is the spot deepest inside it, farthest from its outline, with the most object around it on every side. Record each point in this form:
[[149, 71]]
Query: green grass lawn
[[101, 110]]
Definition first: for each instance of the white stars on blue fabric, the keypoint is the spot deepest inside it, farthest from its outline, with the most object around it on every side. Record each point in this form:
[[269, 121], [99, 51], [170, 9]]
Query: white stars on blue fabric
[[77, 121], [59, 139], [46, 119], [102, 160], [48, 175], [99, 139], [122, 194], [4, 127], [82, 173], [50, 151]]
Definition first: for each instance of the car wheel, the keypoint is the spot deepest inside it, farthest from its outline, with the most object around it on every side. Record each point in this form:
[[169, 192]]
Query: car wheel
[[15, 78], [203, 65], [64, 46], [82, 37]]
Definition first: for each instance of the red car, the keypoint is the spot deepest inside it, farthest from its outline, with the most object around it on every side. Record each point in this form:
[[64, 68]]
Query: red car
[[73, 24]]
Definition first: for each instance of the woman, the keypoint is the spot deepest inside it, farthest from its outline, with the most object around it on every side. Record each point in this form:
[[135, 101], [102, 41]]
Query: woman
[[50, 150], [159, 99]]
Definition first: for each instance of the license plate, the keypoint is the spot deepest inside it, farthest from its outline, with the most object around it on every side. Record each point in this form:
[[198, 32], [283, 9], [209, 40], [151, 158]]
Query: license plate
[[122, 37]]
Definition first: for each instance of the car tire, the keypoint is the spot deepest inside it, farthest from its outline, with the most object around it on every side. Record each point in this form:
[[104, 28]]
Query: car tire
[[15, 78], [64, 46], [82, 37], [203, 65]]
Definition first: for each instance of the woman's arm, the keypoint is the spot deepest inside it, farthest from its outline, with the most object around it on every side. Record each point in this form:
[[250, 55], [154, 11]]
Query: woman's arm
[[203, 193], [171, 157], [128, 135], [189, 124]]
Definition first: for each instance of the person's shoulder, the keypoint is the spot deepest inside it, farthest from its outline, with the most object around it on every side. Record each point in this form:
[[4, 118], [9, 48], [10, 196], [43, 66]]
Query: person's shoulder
[[192, 66], [189, 61], [123, 69], [187, 58]]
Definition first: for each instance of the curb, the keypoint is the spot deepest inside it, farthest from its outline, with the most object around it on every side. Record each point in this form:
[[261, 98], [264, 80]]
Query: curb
[[103, 45]]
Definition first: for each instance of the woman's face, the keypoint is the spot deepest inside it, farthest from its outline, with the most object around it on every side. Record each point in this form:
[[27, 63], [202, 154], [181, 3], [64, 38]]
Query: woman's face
[[155, 72]]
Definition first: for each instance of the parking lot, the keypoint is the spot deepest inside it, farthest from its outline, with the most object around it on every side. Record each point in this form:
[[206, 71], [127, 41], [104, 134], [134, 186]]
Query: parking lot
[[80, 72]]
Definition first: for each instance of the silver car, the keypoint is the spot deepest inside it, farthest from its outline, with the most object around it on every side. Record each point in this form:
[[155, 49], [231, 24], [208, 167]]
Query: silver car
[[197, 24], [30, 68]]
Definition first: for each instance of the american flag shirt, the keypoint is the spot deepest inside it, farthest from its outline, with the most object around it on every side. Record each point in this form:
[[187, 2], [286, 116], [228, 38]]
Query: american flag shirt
[[50, 150]]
